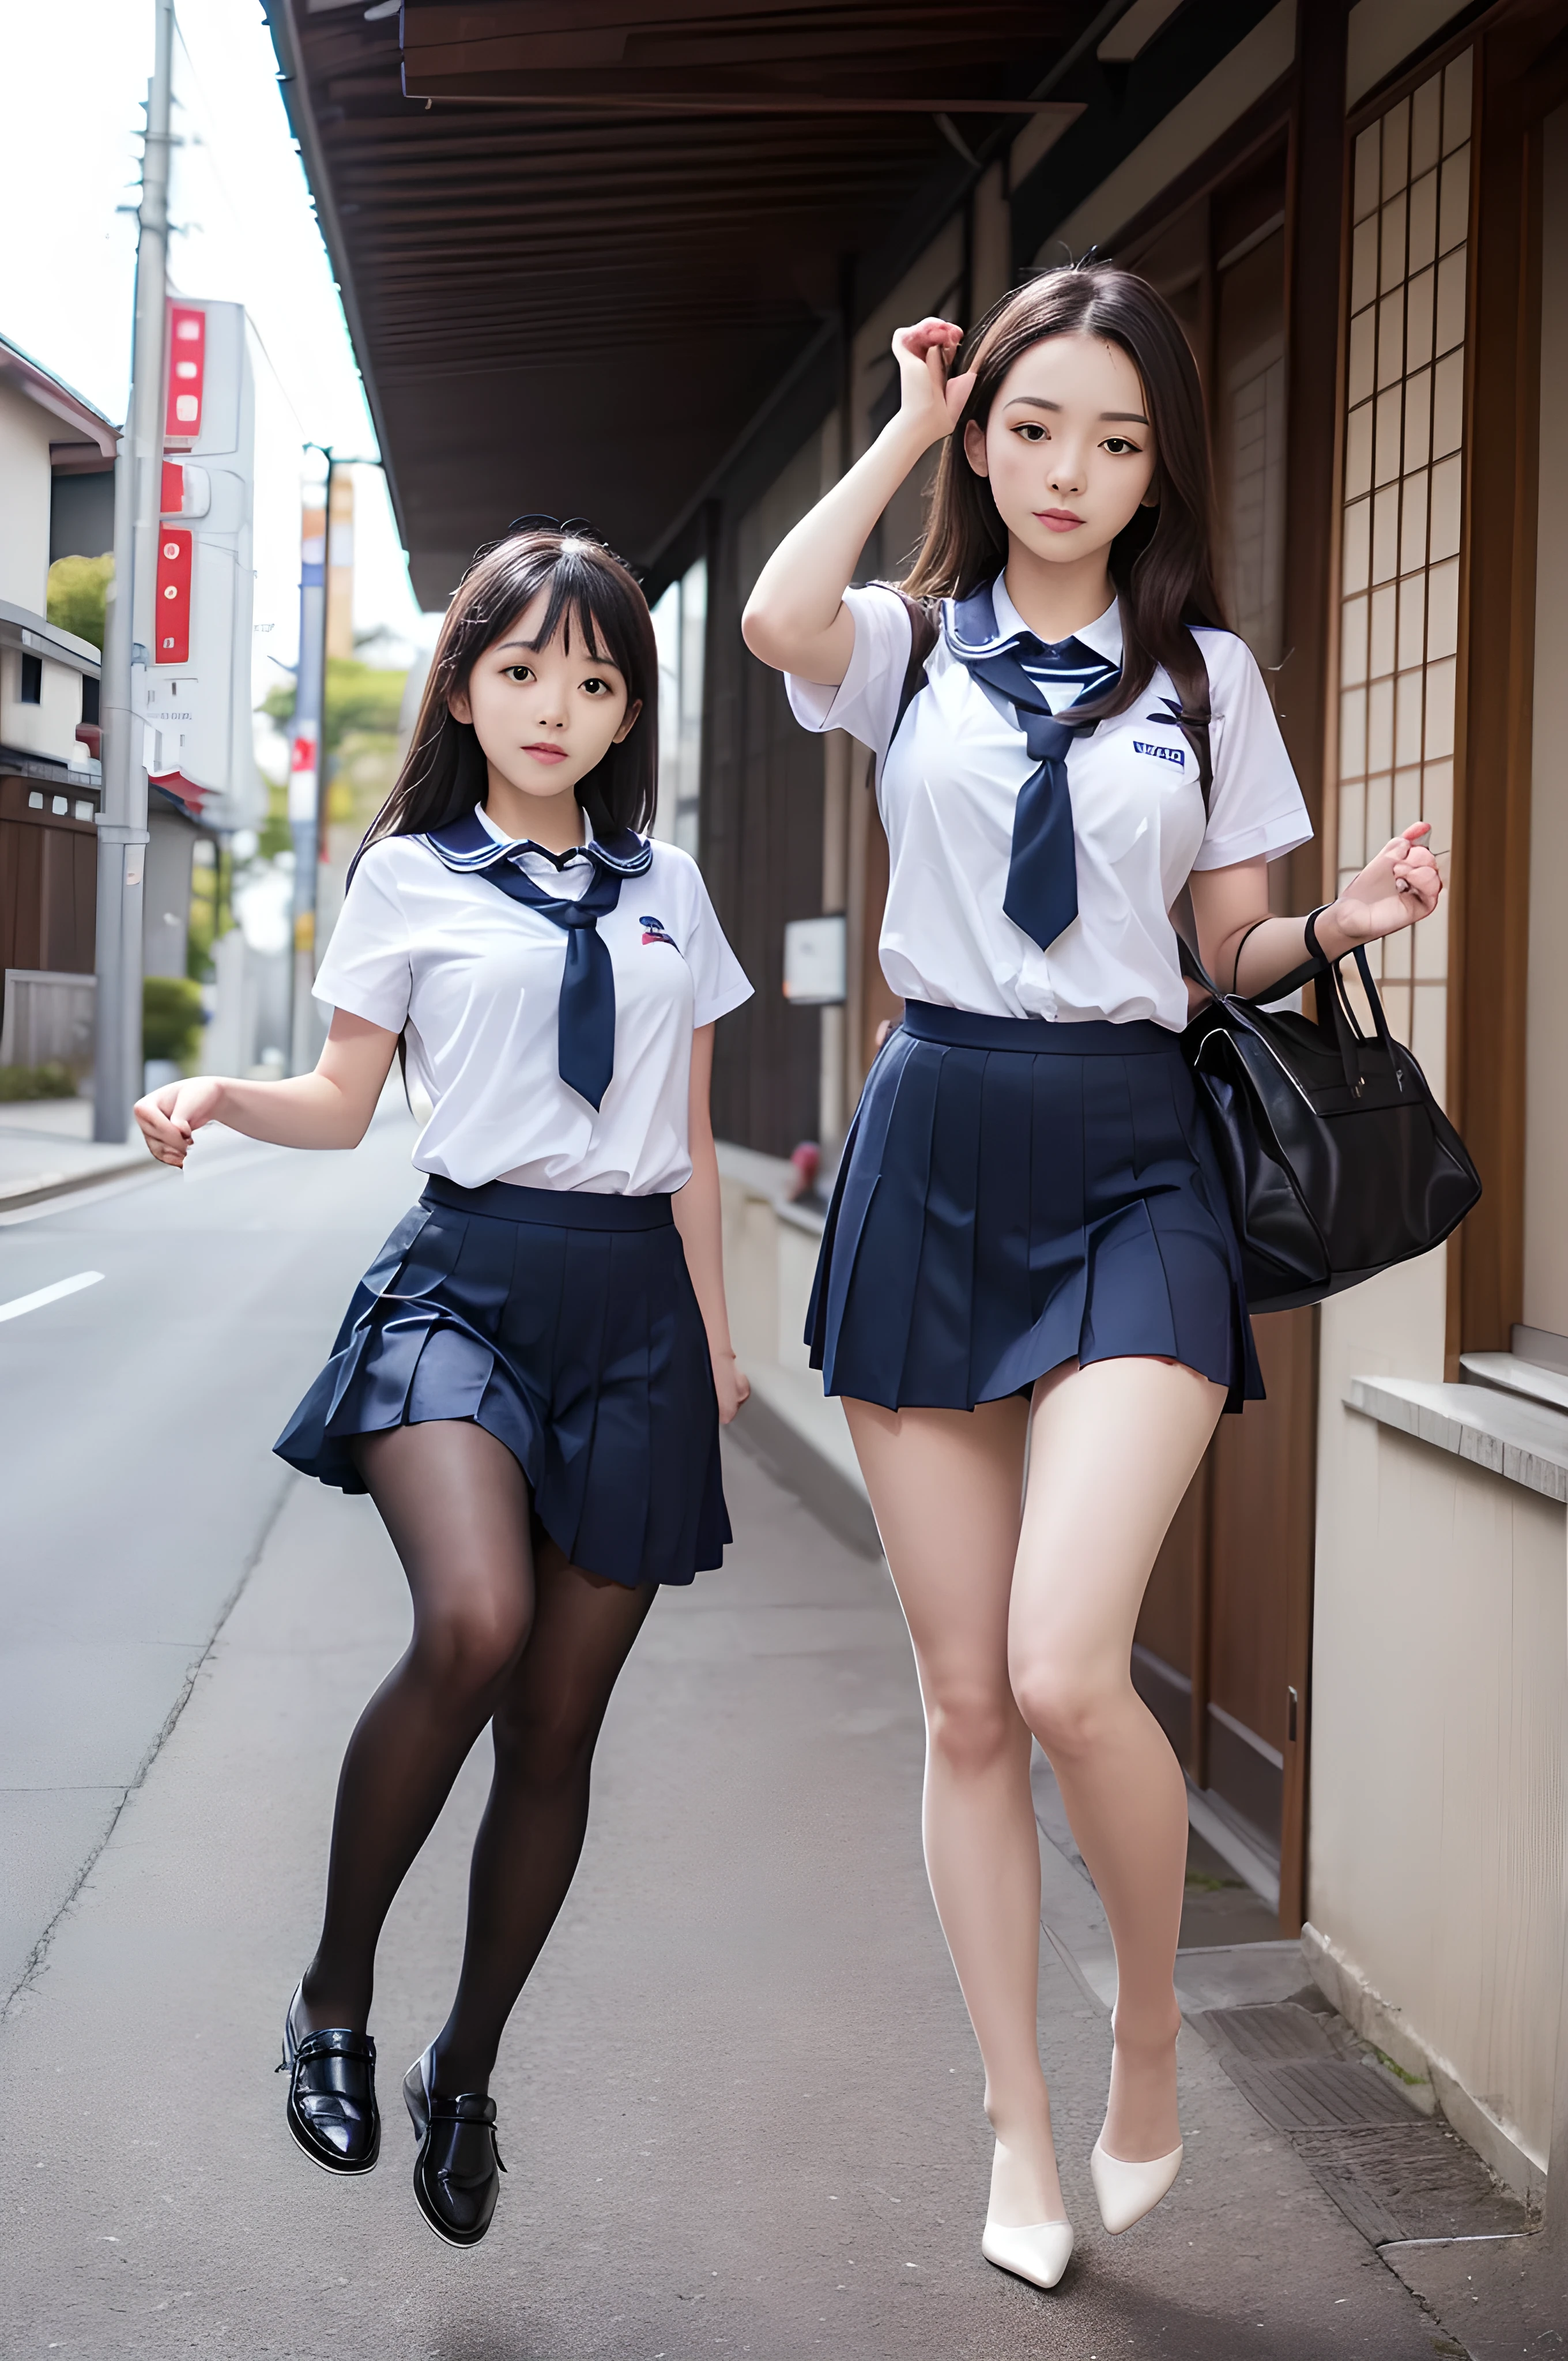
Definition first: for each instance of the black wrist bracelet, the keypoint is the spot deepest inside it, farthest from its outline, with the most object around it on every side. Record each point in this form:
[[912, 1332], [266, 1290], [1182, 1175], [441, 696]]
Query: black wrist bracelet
[[1313, 945]]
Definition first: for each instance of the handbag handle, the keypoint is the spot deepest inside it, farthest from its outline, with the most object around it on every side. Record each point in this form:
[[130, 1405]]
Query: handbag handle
[[1348, 1034], [1347, 1026]]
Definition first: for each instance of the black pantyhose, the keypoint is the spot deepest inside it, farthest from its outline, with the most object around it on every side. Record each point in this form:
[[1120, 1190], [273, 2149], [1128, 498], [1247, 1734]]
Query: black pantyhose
[[544, 1729], [535, 1649]]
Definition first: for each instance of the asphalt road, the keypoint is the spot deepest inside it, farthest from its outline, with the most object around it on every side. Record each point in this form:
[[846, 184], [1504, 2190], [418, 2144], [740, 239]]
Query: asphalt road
[[136, 1420], [739, 2101]]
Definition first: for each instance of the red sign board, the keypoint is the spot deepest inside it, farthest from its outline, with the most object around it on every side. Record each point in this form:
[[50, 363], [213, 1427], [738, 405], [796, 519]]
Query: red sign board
[[171, 499], [173, 610], [187, 371]]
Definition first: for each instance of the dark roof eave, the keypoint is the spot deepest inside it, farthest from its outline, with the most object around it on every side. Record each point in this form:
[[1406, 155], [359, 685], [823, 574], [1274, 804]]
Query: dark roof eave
[[295, 93]]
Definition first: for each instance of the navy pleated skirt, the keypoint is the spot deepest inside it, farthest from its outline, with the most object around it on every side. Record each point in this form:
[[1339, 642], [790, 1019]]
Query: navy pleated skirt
[[564, 1324], [1014, 1195]]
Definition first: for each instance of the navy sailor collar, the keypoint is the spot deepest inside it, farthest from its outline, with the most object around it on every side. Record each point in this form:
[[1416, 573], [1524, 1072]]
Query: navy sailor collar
[[465, 843], [987, 623]]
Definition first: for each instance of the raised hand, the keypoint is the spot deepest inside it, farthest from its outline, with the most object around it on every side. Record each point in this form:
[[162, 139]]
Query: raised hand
[[932, 400], [1399, 885]]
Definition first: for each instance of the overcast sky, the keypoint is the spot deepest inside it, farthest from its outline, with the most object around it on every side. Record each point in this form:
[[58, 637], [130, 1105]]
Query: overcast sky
[[70, 106]]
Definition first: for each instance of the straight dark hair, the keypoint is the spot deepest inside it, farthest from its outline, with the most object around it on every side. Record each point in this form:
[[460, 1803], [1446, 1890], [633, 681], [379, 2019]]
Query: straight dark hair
[[593, 594], [1162, 562]]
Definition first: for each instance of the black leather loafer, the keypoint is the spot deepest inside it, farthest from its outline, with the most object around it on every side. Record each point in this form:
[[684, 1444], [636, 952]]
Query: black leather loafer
[[331, 2106], [458, 2164]]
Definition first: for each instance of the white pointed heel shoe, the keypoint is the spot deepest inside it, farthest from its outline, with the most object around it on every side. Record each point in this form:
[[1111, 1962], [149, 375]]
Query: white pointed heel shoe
[[1040, 2252], [1127, 2192]]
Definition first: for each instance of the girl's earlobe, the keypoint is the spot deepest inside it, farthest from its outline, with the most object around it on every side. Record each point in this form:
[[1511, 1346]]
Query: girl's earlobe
[[1151, 498], [458, 706], [974, 447], [633, 710]]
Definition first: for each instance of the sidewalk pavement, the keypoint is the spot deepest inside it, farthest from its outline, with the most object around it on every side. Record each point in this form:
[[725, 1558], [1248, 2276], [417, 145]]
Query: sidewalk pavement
[[47, 1148], [740, 2101]]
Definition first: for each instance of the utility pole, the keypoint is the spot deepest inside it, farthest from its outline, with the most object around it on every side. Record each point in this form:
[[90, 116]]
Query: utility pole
[[307, 746], [122, 823], [306, 766]]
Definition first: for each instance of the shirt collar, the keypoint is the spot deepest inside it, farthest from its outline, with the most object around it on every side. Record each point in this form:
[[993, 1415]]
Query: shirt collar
[[473, 842], [516, 844], [1103, 635]]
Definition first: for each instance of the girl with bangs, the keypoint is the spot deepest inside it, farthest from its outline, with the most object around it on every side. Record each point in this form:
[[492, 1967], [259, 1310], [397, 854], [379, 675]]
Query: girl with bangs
[[532, 1375], [1029, 1249]]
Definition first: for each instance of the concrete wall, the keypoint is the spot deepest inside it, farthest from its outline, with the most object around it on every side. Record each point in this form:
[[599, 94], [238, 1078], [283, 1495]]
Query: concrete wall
[[24, 484], [1437, 1806], [770, 1254], [1439, 1693]]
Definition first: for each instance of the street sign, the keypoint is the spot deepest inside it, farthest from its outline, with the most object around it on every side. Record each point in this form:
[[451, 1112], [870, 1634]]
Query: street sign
[[195, 698]]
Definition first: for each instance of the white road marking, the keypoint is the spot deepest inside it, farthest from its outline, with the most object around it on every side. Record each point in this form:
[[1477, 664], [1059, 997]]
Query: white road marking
[[35, 1303]]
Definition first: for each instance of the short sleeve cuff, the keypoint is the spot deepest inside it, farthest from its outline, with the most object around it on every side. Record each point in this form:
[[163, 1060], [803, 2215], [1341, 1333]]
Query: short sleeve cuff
[[390, 1013], [1271, 839], [819, 705], [719, 1003]]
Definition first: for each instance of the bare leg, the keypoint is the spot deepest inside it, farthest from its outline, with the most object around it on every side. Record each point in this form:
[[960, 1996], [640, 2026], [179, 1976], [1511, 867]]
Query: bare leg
[[1113, 1448], [947, 1487]]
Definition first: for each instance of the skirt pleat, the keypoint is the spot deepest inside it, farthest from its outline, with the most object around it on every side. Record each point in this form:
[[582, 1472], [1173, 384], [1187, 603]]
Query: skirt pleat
[[1000, 1210], [581, 1349]]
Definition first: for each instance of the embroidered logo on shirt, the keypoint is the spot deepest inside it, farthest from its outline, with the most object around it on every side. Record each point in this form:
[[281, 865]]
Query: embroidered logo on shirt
[[1160, 753], [653, 932]]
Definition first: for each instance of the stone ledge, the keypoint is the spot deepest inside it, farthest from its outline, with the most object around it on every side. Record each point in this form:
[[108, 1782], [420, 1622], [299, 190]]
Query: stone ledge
[[1522, 1441]]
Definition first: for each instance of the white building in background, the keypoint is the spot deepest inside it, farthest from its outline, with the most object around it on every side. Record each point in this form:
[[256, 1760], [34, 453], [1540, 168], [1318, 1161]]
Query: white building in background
[[57, 460]]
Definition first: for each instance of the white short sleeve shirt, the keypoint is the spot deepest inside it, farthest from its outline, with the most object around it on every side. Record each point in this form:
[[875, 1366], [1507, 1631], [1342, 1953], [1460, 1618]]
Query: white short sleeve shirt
[[947, 786], [475, 977]]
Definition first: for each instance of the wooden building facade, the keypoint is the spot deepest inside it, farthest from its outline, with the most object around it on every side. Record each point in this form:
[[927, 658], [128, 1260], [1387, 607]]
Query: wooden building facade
[[1361, 216]]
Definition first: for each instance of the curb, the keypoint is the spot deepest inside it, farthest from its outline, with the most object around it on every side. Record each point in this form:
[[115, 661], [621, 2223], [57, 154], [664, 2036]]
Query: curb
[[15, 1194]]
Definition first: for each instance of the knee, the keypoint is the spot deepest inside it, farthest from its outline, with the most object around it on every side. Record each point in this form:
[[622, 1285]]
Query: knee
[[542, 1748], [1065, 1704], [971, 1725], [466, 1648]]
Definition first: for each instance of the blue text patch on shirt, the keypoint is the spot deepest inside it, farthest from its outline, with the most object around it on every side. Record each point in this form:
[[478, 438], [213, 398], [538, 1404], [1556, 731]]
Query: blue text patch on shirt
[[1160, 753]]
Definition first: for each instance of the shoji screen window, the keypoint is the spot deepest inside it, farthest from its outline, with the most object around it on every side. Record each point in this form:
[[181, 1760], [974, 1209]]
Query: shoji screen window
[[1404, 436]]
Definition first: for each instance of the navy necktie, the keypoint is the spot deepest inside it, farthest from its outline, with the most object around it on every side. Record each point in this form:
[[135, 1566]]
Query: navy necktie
[[1042, 870], [585, 1026], [585, 1029]]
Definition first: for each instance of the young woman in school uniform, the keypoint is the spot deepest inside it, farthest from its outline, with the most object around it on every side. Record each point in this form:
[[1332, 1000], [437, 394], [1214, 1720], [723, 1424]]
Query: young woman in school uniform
[[530, 1377], [1029, 1243]]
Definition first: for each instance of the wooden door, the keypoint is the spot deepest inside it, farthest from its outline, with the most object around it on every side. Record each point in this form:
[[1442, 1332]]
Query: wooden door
[[48, 880], [1224, 1632]]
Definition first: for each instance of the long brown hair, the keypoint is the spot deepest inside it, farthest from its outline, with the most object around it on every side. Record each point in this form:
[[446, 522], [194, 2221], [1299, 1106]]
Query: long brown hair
[[592, 593], [1162, 563]]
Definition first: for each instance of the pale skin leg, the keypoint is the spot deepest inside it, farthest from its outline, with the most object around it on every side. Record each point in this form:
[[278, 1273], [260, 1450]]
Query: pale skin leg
[[1113, 1449], [1022, 1614], [947, 1489]]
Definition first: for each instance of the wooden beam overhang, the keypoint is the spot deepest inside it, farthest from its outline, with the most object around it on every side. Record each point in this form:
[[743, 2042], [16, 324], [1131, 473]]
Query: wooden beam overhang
[[577, 295]]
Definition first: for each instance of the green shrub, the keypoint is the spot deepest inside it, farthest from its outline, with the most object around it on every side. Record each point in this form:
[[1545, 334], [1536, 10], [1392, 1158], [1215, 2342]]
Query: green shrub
[[171, 1018], [78, 592], [51, 1081]]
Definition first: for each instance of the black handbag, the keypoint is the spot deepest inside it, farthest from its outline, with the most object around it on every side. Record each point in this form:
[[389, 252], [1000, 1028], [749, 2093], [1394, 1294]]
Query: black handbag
[[1337, 1158]]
